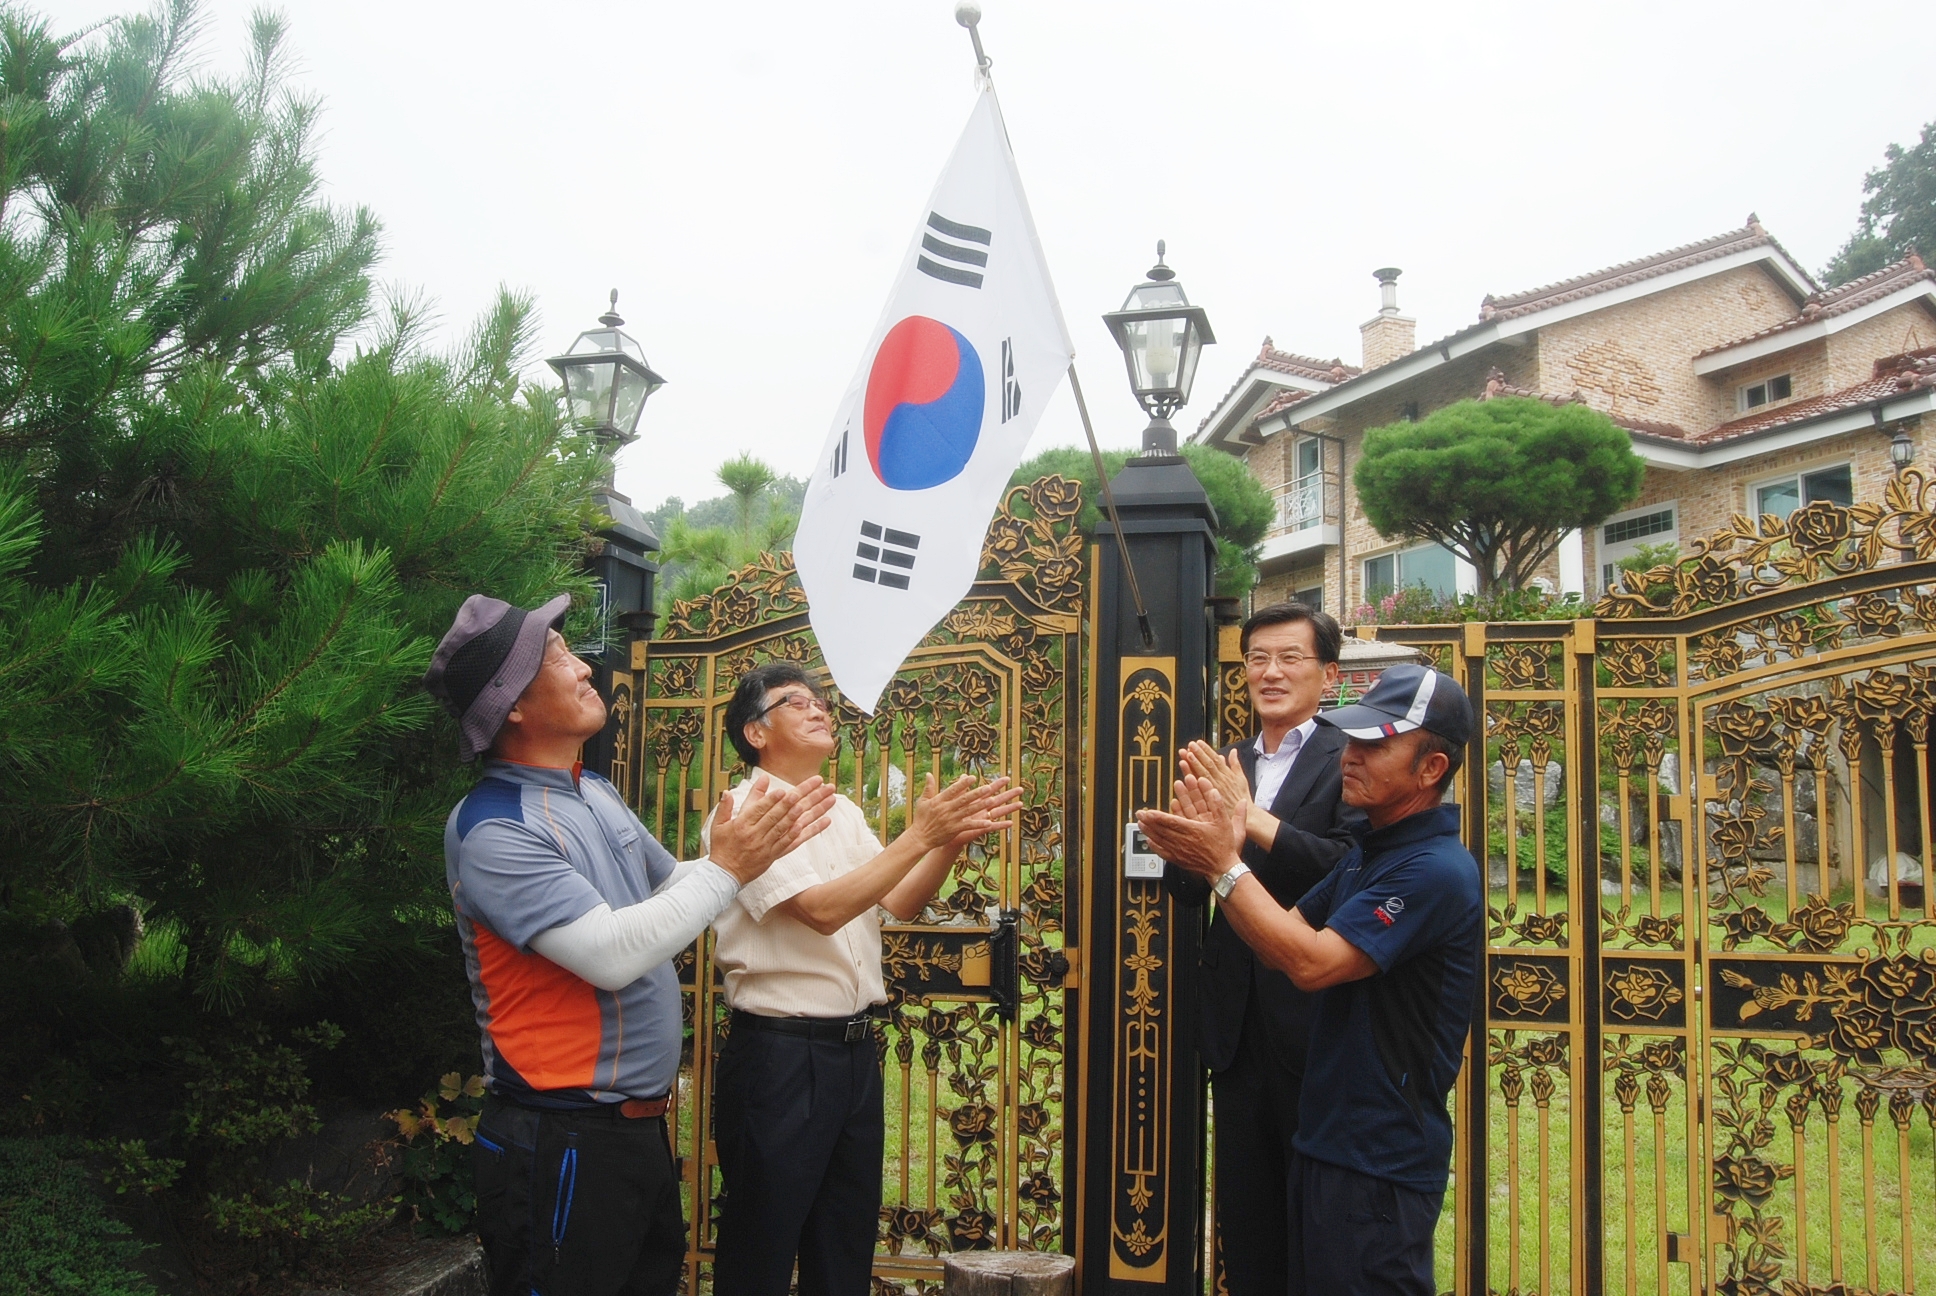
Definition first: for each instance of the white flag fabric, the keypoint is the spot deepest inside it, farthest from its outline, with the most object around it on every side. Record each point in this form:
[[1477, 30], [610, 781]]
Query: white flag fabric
[[965, 356]]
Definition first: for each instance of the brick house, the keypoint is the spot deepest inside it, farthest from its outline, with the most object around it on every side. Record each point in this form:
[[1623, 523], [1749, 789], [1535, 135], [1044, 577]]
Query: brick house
[[1745, 386]]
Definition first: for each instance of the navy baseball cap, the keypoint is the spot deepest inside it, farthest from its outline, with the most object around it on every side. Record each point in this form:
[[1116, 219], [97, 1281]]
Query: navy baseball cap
[[1405, 698]]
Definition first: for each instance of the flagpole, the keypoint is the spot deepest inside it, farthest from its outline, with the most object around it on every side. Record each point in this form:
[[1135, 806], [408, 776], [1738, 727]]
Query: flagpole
[[968, 14], [1109, 506]]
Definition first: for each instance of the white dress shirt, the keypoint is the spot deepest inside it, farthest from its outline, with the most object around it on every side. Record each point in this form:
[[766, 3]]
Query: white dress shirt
[[777, 966], [1273, 767]]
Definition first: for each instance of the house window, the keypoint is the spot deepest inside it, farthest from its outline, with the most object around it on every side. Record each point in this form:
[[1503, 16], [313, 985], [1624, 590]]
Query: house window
[[1409, 411], [1766, 392], [1622, 536], [1312, 598], [1303, 499], [1429, 565], [1784, 495]]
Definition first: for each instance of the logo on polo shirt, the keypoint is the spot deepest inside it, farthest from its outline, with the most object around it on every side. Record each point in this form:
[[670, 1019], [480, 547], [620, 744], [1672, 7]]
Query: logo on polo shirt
[[1388, 912]]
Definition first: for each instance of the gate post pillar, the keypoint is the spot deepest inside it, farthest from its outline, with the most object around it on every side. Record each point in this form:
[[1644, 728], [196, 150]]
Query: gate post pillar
[[1138, 1137]]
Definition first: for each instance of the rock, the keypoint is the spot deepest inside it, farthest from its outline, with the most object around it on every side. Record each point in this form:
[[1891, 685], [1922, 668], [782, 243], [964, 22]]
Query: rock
[[1496, 871], [1609, 815], [1523, 785], [1807, 837], [1670, 773], [1009, 1273]]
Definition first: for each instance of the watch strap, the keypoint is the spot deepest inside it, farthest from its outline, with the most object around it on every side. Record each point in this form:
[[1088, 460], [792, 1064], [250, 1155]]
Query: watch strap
[[1228, 882]]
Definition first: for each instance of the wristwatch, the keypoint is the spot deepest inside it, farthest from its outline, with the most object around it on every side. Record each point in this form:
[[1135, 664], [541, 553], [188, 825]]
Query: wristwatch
[[1224, 885]]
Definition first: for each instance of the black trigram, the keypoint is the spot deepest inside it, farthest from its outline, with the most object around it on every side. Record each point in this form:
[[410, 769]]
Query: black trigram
[[881, 548], [1011, 389], [839, 464], [935, 240]]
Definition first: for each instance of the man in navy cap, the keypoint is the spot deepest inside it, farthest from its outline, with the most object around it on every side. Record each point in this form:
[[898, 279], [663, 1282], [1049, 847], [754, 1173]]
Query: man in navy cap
[[570, 914], [1390, 942]]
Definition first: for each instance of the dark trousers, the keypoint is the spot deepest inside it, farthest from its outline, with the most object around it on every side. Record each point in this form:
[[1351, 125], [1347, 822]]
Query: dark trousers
[[577, 1203], [800, 1135], [1256, 1119], [1353, 1235]]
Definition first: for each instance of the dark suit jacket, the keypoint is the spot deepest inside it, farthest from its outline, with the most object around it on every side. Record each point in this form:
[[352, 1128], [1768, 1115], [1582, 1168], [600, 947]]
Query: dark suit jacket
[[1315, 829]]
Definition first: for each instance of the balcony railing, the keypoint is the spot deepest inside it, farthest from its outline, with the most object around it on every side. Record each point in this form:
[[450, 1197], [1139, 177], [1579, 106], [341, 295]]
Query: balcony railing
[[1305, 503]]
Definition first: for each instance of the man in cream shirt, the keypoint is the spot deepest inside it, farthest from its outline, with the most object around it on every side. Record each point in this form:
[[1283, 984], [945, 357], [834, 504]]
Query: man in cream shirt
[[797, 1116]]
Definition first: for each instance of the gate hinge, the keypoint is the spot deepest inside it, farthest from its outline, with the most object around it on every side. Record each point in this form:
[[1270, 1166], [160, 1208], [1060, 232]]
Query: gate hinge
[[1680, 1248]]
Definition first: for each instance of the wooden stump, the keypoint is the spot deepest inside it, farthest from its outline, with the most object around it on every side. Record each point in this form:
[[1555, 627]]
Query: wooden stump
[[1010, 1273]]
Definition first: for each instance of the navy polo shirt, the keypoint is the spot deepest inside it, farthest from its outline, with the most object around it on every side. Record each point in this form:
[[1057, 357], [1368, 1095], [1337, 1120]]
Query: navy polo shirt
[[1385, 1049]]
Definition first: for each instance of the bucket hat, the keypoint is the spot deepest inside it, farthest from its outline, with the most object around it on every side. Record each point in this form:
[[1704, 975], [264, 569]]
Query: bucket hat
[[486, 660]]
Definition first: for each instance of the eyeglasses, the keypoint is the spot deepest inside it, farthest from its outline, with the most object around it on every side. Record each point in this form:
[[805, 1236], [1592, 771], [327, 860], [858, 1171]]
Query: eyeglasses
[[799, 702], [1260, 661]]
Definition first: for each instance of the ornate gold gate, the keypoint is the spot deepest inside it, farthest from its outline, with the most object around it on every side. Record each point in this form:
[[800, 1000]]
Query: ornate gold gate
[[982, 988], [1709, 1021]]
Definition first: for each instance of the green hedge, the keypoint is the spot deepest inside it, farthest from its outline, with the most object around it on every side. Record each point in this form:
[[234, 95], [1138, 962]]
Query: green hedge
[[55, 1235]]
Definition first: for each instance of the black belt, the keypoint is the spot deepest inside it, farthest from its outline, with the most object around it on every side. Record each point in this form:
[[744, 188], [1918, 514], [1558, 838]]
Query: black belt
[[847, 1030]]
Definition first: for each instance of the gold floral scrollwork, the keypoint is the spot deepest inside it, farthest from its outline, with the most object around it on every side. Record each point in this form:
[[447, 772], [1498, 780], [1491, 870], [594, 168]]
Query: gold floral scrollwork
[[1752, 556], [1641, 993], [1523, 665], [1638, 663], [1881, 1004], [1522, 989]]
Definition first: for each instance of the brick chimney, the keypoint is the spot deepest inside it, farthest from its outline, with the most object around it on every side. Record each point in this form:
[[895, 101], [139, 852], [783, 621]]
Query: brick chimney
[[1388, 335]]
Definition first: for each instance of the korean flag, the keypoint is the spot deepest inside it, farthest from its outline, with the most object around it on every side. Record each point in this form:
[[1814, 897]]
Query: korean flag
[[963, 360]]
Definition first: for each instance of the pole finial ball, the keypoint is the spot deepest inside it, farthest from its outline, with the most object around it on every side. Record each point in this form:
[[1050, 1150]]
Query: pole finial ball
[[1160, 249], [967, 13]]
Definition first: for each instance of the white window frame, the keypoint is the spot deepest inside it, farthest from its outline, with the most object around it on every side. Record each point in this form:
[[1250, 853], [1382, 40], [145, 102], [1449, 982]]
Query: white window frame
[[1610, 554], [1795, 475], [1741, 392], [1464, 579]]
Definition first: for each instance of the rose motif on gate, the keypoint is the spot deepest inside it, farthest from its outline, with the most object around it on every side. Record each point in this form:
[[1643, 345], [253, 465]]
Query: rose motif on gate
[[1708, 580], [1642, 993], [1056, 497], [1873, 615], [1527, 988], [976, 740], [972, 1124], [1780, 1069], [1745, 1179], [972, 1230], [1649, 929], [1717, 655], [1664, 1057], [1818, 530], [1746, 923], [1817, 926], [912, 1226], [1040, 1188]]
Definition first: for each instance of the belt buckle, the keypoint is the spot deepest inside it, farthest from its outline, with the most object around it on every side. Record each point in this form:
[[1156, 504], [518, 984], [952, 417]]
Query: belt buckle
[[856, 1031]]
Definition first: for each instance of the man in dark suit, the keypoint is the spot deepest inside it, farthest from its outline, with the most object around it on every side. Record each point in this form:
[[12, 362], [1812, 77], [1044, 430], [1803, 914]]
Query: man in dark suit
[[1255, 1025]]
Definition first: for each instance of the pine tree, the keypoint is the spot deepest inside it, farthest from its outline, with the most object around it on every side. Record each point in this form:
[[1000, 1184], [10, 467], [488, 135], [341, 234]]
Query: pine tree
[[229, 536]]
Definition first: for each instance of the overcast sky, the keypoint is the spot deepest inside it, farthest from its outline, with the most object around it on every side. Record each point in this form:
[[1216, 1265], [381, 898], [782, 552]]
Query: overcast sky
[[747, 174]]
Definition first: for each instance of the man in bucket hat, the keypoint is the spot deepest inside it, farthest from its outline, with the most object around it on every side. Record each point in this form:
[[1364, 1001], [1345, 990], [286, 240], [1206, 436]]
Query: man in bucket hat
[[570, 914], [1390, 943]]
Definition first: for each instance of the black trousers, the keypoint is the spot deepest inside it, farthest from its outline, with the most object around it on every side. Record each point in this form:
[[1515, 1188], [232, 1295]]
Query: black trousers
[[1353, 1235], [577, 1203], [1256, 1119], [799, 1129]]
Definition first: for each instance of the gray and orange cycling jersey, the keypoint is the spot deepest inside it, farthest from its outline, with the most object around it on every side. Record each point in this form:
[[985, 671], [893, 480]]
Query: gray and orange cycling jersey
[[529, 849]]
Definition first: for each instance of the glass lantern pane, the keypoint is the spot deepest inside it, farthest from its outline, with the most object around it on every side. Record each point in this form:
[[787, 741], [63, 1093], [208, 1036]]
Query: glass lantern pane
[[1162, 353], [1147, 296], [596, 340], [1192, 347], [588, 388], [632, 391]]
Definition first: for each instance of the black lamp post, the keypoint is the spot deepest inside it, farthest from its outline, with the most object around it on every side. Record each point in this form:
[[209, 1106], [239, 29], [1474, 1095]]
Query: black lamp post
[[607, 382], [1161, 335]]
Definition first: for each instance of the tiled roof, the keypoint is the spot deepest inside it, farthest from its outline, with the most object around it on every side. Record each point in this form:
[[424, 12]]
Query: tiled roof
[[1284, 400], [1661, 263], [1837, 301], [1894, 375], [1333, 370], [1285, 362]]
